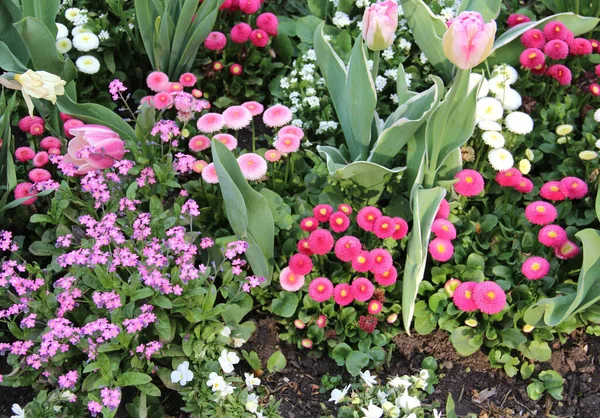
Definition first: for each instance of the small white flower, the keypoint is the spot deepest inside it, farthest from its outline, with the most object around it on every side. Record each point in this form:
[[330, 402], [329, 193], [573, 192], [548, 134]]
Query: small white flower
[[17, 411], [372, 411], [227, 359], [370, 64], [340, 19], [510, 98], [407, 402], [226, 332], [404, 44], [216, 382], [529, 154], [488, 125], [61, 31], [598, 144], [437, 414], [398, 382], [227, 390], [79, 29], [252, 402], [563, 130], [85, 42], [519, 123], [88, 64], [382, 396], [423, 58], [380, 83], [500, 159], [251, 380], [81, 20], [63, 45], [588, 155], [337, 395], [597, 115], [368, 378], [311, 55], [395, 98], [474, 80], [408, 79], [182, 374], [388, 53], [493, 139], [489, 108], [72, 13], [103, 35], [238, 342]]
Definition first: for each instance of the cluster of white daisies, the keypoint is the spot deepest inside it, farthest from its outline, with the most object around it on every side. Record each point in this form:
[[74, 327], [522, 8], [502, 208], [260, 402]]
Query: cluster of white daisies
[[83, 40], [497, 108]]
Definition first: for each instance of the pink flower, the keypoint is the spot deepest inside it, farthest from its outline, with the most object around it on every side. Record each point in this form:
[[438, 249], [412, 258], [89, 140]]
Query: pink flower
[[463, 297], [580, 46], [400, 228], [272, 155], [199, 143], [339, 222], [299, 324], [157, 81], [320, 289], [307, 343], [94, 147], [387, 278], [268, 22], [287, 143], [441, 249], [540, 213], [277, 116], [215, 41], [508, 178], [362, 289], [451, 285], [240, 33], [384, 227], [568, 250], [320, 241], [255, 108], [41, 159], [24, 190], [290, 281], [516, 19], [533, 38], [367, 216], [253, 166], [209, 174], [309, 224], [468, 40], [301, 264], [489, 297], [552, 191], [374, 307], [210, 122], [293, 130], [249, 6], [573, 187], [303, 247], [237, 117], [535, 268], [381, 261], [199, 166], [24, 154], [532, 58], [342, 294], [560, 73], [345, 208], [175, 87], [525, 185], [321, 321], [556, 30], [363, 262], [444, 229], [347, 248], [36, 129], [227, 139], [236, 69], [556, 49], [470, 183], [188, 80], [26, 122], [37, 175], [444, 210], [379, 24], [162, 100], [552, 236], [259, 38], [50, 142]]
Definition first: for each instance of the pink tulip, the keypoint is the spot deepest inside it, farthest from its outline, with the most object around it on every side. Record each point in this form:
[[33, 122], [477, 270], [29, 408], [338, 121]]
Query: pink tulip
[[468, 40], [379, 25], [94, 147]]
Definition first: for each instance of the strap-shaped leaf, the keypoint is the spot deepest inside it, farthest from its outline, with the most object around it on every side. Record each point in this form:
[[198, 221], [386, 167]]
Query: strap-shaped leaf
[[44, 10], [402, 89], [489, 9], [9, 15], [10, 62], [186, 17], [146, 14]]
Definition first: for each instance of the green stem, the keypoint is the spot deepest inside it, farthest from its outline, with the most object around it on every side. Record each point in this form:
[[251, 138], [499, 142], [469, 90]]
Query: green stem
[[253, 137], [375, 70], [143, 411]]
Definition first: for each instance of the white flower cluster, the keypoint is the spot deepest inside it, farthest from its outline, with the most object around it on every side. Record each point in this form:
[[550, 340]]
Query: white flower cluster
[[84, 40], [490, 115], [341, 19]]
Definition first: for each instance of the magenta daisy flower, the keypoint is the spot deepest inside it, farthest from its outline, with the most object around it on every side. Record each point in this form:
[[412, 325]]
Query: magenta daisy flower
[[444, 210], [552, 236], [387, 278], [290, 281], [342, 294], [253, 166], [362, 289], [552, 191], [489, 297], [320, 241], [400, 228], [363, 262], [444, 229], [277, 116], [470, 183], [463, 297], [367, 216], [320, 289], [508, 178], [227, 139], [287, 143], [441, 249], [381, 261], [347, 248], [255, 108], [339, 222], [534, 268], [301, 264], [237, 117], [573, 187], [209, 174], [540, 213], [384, 227], [210, 122], [525, 185], [374, 307]]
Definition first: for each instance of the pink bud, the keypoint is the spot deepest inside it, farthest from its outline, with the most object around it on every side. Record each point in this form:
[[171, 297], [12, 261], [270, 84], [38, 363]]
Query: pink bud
[[451, 286], [379, 25], [299, 324], [322, 321], [306, 343], [468, 40], [568, 250], [392, 318]]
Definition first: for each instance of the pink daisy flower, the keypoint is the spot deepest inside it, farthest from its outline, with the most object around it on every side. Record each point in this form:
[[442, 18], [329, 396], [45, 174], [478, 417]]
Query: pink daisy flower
[[50, 142], [240, 33], [463, 297], [344, 208], [556, 49], [573, 187], [560, 73], [199, 143], [37, 175], [489, 297], [307, 343], [188, 80], [175, 87], [259, 38], [36, 129], [287, 143], [299, 324], [291, 130], [23, 190], [381, 261], [532, 58], [71, 124], [525, 185], [303, 247], [237, 117], [533, 38], [24, 154], [320, 289], [552, 236], [384, 227], [444, 229], [342, 294], [268, 22], [534, 268], [338, 222], [556, 30], [309, 224], [580, 46], [451, 285], [157, 81], [568, 250], [367, 216], [209, 174], [322, 212], [228, 140], [552, 191], [253, 166], [301, 264], [387, 278], [41, 159], [277, 116], [255, 108], [215, 41], [362, 289], [347, 248], [508, 178], [400, 228], [272, 155], [320, 241], [210, 122], [470, 183], [321, 321], [162, 100], [374, 307], [290, 281], [199, 166], [441, 249], [444, 210], [363, 262], [540, 213]]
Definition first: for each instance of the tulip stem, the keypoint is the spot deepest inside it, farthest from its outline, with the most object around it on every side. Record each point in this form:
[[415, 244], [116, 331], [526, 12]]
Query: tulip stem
[[375, 66]]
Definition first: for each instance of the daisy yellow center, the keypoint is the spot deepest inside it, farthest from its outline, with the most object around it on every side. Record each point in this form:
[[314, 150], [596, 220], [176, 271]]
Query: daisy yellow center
[[379, 258], [469, 179], [397, 227], [560, 73], [361, 259], [468, 294], [441, 248], [370, 217], [344, 209], [309, 223], [540, 209], [557, 29], [538, 67], [595, 89], [387, 273], [445, 227], [344, 293], [258, 35], [491, 295], [535, 266], [320, 288], [348, 245], [554, 189], [292, 278], [384, 226], [552, 234], [339, 221], [532, 55], [250, 162], [287, 142], [363, 288], [306, 245], [323, 211], [574, 185], [509, 174]]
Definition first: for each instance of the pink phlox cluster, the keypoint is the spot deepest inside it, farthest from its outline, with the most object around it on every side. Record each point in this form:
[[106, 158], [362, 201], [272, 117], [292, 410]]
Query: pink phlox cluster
[[64, 241], [237, 265], [68, 380], [108, 300], [46, 185], [190, 207], [206, 243], [148, 349], [115, 88], [16, 308], [7, 243], [167, 130], [123, 166], [142, 321], [68, 169], [146, 176], [251, 282], [67, 302], [183, 163], [126, 204]]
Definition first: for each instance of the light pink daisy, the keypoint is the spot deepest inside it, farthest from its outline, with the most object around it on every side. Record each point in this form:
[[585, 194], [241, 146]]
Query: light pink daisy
[[229, 140], [255, 108], [277, 115], [272, 155], [287, 143], [157, 81], [293, 130], [199, 143], [162, 100], [290, 281], [209, 174], [253, 166], [237, 117], [211, 122]]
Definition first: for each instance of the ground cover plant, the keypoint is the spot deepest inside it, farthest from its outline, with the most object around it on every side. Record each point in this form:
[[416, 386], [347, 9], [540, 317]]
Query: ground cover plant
[[254, 208]]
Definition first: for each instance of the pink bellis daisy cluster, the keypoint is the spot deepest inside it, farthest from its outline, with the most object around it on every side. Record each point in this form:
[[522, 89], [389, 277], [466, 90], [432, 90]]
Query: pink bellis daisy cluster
[[512, 178], [441, 248], [487, 297], [172, 95]]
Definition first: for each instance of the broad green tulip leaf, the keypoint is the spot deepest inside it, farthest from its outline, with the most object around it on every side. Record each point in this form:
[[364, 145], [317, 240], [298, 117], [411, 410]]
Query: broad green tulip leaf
[[247, 211], [415, 159], [145, 15], [318, 7], [44, 10], [402, 87], [489, 9], [550, 312], [428, 30], [164, 34], [425, 204], [9, 15], [583, 8], [362, 100], [41, 45], [508, 47], [96, 114], [10, 62], [8, 175], [598, 204], [333, 70]]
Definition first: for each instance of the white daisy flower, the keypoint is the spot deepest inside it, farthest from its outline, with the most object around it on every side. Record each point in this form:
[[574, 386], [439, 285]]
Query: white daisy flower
[[61, 31], [88, 64], [488, 125], [597, 115], [85, 42], [497, 84], [519, 123], [474, 81], [508, 73], [524, 166], [500, 159], [79, 29], [64, 45], [489, 108], [510, 98], [588, 155], [72, 13]]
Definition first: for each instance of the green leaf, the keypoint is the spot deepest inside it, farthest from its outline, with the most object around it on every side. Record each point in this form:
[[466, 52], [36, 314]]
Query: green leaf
[[512, 338], [450, 407], [462, 339], [282, 213], [425, 204], [9, 62], [276, 362], [340, 352], [44, 10], [145, 15], [307, 27], [535, 390], [285, 305], [247, 211], [150, 389], [10, 13], [133, 379], [489, 9], [355, 362], [318, 7]]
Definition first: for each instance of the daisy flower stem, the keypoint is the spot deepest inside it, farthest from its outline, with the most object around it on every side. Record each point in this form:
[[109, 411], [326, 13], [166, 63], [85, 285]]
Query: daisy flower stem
[[253, 137]]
